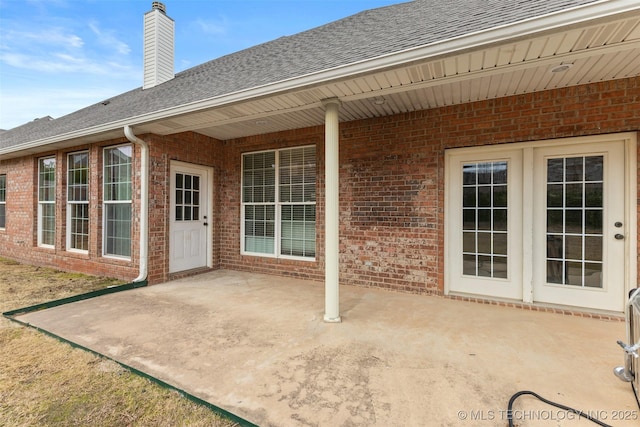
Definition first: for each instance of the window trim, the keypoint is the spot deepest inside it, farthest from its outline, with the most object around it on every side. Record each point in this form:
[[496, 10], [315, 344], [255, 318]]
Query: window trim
[[278, 209], [85, 202], [42, 203], [106, 203], [3, 199]]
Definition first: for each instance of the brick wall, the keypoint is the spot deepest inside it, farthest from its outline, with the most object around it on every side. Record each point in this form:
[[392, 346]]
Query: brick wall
[[19, 239], [391, 185], [186, 147], [230, 257], [392, 177]]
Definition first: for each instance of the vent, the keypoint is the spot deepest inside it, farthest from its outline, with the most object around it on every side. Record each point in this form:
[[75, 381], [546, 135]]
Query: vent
[[156, 5]]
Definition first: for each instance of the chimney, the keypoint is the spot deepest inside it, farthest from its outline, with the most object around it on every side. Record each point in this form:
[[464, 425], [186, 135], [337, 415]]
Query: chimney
[[159, 32]]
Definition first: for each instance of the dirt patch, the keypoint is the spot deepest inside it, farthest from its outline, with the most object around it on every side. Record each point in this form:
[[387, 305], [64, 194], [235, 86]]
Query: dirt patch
[[24, 285], [44, 382]]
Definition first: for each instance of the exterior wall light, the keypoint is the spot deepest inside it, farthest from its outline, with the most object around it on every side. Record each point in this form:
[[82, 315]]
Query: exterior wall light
[[561, 68]]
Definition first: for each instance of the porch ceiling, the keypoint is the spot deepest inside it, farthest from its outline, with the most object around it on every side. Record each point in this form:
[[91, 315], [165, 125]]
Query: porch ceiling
[[604, 51]]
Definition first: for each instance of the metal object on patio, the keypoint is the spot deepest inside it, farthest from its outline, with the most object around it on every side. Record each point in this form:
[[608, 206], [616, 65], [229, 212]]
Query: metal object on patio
[[629, 372]]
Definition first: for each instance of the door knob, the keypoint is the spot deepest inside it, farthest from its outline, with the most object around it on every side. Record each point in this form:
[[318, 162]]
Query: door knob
[[619, 236]]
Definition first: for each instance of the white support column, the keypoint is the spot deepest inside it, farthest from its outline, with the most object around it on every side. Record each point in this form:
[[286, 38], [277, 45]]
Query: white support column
[[331, 212]]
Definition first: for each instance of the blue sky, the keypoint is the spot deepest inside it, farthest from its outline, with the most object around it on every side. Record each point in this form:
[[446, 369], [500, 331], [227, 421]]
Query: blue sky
[[57, 56]]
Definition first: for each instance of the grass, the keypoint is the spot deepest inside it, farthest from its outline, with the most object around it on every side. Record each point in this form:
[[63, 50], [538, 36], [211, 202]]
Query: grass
[[44, 382]]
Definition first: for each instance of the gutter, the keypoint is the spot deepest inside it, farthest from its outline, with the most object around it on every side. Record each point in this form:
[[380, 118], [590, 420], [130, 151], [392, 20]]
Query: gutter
[[144, 203], [577, 15]]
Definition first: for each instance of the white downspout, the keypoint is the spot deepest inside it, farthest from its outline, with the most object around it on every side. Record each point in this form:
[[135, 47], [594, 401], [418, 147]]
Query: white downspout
[[144, 202]]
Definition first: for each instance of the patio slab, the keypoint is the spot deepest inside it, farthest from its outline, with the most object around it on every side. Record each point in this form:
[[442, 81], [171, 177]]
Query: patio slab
[[257, 346]]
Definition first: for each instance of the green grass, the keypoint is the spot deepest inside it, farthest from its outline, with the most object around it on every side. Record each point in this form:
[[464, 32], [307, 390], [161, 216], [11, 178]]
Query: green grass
[[44, 382]]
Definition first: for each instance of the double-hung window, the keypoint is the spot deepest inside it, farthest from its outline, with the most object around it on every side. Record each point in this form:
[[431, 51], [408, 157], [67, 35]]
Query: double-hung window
[[117, 201], [3, 201], [279, 203], [47, 202], [78, 201]]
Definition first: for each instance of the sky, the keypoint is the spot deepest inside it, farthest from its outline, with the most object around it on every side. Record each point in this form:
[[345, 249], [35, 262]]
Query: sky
[[58, 56]]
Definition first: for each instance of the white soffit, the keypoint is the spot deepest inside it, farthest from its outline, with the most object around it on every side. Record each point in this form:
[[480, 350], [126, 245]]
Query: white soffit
[[608, 51]]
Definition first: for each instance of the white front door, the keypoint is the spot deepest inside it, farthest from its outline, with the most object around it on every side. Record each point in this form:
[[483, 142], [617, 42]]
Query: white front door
[[189, 235], [544, 222], [579, 225]]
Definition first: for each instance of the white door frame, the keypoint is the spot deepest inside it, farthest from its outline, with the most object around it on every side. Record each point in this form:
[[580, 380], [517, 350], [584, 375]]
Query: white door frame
[[508, 287], [208, 197], [608, 297], [630, 210]]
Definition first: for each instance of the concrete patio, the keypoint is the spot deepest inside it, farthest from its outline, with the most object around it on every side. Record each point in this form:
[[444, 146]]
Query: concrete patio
[[257, 346]]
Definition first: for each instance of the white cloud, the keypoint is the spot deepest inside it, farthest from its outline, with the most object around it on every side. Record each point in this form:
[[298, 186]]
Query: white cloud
[[60, 62], [47, 37], [18, 108], [109, 40], [55, 50], [211, 27]]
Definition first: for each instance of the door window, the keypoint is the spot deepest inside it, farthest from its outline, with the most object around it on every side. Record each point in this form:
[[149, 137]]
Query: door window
[[484, 219], [575, 220], [187, 194]]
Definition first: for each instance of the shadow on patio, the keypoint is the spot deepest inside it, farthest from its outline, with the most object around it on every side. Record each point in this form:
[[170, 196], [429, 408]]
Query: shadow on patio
[[257, 346]]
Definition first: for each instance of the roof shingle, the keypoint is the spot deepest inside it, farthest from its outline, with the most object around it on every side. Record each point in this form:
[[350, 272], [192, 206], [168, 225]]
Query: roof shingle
[[366, 35]]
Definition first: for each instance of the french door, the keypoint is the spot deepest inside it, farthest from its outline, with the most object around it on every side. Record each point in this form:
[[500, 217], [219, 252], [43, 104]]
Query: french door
[[580, 226], [484, 249], [544, 222]]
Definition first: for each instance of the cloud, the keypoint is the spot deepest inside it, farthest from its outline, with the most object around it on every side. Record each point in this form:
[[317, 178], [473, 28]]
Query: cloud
[[20, 107], [109, 40], [211, 27], [56, 50], [60, 62], [47, 37]]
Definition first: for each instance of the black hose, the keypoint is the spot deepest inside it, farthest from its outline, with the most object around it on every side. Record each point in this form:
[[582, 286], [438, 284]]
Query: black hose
[[635, 393], [548, 402]]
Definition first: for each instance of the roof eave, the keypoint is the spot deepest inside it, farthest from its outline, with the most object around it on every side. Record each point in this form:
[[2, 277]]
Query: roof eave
[[574, 16]]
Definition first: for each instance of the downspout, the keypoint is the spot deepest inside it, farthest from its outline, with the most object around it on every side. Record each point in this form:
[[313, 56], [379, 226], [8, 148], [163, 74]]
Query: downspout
[[144, 202]]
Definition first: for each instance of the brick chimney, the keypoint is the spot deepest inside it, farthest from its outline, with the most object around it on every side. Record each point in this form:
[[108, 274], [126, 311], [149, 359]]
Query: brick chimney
[[159, 32]]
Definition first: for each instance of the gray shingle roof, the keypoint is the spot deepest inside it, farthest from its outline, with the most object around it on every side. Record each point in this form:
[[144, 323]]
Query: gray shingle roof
[[369, 34]]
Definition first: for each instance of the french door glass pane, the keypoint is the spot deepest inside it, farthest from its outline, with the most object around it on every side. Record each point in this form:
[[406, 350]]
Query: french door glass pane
[[484, 219], [574, 221]]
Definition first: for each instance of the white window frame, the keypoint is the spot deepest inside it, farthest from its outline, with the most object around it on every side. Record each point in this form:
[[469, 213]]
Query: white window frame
[[108, 203], [72, 203], [43, 203], [3, 200], [278, 204]]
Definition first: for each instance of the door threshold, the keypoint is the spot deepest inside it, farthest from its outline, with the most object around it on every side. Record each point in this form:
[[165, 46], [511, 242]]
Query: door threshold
[[541, 307]]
